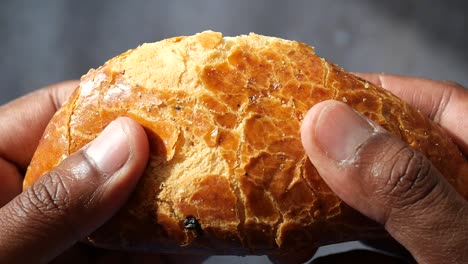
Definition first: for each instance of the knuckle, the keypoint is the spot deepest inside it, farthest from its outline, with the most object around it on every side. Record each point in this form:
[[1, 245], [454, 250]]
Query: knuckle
[[69, 184], [50, 196], [55, 202], [409, 179]]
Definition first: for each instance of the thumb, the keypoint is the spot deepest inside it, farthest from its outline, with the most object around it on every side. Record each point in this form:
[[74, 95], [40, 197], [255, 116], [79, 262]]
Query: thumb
[[76, 197], [390, 182]]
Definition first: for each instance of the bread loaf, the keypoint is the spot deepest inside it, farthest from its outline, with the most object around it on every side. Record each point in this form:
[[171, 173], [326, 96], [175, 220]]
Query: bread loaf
[[227, 172]]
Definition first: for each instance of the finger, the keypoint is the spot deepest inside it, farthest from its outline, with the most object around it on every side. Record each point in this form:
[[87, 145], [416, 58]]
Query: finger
[[445, 103], [75, 198], [11, 182], [23, 121], [388, 181]]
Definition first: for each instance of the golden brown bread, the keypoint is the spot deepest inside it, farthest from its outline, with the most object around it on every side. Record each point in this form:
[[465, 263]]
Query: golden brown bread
[[223, 119]]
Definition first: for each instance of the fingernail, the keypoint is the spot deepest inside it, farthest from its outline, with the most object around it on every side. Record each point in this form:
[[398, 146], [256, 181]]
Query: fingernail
[[110, 150], [340, 131]]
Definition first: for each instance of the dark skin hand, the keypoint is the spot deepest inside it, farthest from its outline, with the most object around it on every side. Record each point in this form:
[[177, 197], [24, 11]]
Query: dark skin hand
[[385, 179], [45, 222], [76, 197]]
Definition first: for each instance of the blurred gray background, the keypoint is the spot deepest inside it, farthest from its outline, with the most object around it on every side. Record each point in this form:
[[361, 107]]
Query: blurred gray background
[[43, 42]]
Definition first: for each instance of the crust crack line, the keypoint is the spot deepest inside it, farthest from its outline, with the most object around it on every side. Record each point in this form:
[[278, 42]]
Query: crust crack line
[[326, 67], [240, 203], [72, 113]]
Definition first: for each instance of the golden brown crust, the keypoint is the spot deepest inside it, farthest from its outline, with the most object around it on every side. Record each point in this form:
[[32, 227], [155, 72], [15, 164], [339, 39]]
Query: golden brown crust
[[223, 119]]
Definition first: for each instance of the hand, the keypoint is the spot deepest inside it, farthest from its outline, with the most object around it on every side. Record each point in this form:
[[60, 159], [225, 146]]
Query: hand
[[77, 196], [359, 163]]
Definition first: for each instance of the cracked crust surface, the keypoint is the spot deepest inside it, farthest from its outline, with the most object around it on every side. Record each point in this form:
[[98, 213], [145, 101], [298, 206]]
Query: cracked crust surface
[[223, 117]]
